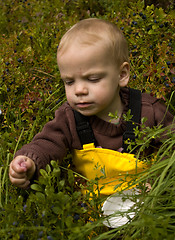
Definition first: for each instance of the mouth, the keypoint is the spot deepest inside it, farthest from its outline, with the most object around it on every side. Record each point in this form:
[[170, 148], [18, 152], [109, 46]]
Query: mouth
[[84, 104]]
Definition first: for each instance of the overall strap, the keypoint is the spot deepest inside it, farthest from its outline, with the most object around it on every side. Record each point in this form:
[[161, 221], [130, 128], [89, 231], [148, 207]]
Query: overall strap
[[135, 106], [84, 129]]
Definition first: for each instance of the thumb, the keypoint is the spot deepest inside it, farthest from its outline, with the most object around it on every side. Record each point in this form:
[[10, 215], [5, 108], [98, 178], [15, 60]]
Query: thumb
[[23, 164], [19, 164], [30, 166]]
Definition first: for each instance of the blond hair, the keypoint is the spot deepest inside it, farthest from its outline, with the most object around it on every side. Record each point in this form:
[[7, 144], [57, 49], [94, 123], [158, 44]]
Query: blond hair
[[92, 30]]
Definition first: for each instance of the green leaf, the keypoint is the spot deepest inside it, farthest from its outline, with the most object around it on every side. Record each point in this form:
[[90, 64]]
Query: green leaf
[[154, 27], [57, 210], [71, 177], [69, 221], [160, 13], [127, 116], [49, 190], [36, 187], [76, 195], [62, 183], [48, 168], [102, 170], [60, 196], [43, 173], [40, 196], [54, 164], [56, 172], [151, 32], [66, 198]]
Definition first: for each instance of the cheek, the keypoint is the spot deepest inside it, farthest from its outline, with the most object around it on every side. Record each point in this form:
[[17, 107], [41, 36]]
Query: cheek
[[101, 96], [68, 93], [103, 91], [106, 95]]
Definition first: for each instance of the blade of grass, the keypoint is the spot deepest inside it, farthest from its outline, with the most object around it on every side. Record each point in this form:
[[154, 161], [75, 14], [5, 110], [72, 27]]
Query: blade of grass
[[1, 168], [19, 139]]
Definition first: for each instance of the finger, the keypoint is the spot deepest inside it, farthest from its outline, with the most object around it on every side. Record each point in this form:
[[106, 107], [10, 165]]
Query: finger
[[30, 165], [17, 181], [21, 183], [18, 165], [25, 185], [14, 174]]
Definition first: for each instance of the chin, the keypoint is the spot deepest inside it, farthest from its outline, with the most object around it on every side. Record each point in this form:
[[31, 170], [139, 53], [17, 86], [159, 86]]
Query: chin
[[86, 113]]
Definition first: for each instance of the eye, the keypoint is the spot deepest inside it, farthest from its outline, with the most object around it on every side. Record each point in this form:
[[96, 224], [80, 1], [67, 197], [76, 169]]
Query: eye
[[68, 82], [94, 78]]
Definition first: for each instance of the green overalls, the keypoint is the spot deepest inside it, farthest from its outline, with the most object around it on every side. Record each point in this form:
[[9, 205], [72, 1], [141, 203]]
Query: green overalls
[[91, 160]]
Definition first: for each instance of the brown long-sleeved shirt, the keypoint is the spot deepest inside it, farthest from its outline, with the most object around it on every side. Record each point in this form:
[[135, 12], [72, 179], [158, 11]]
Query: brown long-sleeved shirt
[[60, 134]]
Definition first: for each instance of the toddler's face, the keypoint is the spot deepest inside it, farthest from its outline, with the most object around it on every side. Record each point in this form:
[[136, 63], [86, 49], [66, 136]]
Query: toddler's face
[[91, 79]]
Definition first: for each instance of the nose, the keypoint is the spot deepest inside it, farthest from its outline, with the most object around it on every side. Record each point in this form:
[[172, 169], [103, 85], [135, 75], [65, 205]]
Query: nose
[[81, 89]]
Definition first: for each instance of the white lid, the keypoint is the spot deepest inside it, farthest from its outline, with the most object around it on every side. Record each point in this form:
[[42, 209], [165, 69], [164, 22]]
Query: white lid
[[115, 204]]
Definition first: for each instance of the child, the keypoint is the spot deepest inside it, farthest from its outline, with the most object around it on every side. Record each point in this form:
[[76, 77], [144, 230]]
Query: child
[[94, 66]]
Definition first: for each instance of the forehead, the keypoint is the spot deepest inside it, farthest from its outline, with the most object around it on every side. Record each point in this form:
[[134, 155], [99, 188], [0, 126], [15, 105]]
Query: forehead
[[87, 32], [79, 54], [81, 39]]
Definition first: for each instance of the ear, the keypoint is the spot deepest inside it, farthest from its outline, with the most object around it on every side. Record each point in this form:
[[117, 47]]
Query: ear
[[124, 74]]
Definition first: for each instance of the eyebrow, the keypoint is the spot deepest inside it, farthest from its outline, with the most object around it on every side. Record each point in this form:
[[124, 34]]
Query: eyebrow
[[93, 74], [66, 77], [85, 75]]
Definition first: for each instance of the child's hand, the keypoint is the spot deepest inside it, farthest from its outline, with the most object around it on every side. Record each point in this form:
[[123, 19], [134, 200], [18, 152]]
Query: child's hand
[[21, 171]]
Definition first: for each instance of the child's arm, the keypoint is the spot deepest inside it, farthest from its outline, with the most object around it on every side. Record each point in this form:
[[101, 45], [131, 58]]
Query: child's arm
[[21, 171]]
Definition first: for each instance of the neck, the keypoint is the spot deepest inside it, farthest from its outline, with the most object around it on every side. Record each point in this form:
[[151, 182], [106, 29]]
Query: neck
[[117, 108], [116, 118]]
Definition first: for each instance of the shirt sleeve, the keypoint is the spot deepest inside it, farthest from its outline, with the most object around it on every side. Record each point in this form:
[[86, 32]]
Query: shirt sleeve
[[51, 143], [155, 111], [162, 115]]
